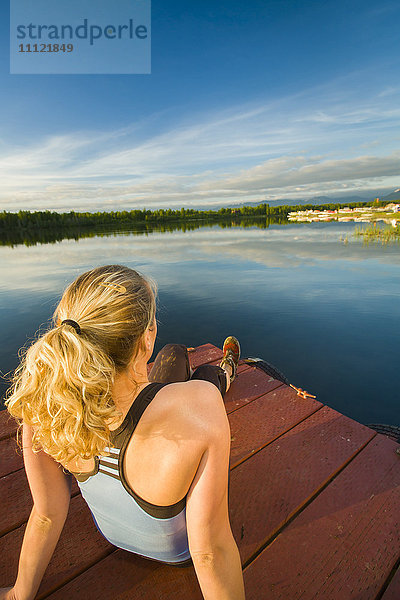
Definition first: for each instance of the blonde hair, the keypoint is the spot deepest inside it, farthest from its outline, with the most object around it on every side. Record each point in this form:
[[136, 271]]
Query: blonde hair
[[63, 385]]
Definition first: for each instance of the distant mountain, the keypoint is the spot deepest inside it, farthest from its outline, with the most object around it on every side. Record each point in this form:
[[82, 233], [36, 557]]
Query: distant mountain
[[393, 197], [315, 200], [367, 196], [288, 202]]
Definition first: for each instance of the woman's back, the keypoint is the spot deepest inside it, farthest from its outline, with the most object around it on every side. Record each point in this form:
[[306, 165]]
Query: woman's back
[[168, 442], [138, 494]]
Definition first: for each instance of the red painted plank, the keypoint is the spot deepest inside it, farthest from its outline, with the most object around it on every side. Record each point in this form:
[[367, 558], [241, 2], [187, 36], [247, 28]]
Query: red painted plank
[[250, 384], [267, 489], [343, 545], [125, 576], [80, 546], [8, 424], [257, 424], [204, 354], [393, 590], [10, 456], [16, 500]]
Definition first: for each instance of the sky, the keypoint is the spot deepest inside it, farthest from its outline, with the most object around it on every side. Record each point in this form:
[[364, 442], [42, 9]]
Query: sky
[[246, 101]]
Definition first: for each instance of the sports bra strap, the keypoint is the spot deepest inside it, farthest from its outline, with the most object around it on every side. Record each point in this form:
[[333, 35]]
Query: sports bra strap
[[134, 414], [120, 438]]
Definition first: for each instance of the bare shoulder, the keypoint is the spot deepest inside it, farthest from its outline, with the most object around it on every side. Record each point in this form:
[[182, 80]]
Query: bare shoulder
[[197, 403]]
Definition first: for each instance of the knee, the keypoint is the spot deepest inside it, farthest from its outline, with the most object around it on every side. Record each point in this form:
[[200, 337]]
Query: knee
[[171, 364], [212, 373], [173, 352], [204, 372], [168, 348]]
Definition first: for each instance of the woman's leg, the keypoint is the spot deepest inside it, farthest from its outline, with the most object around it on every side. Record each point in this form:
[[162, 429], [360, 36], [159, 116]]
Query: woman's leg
[[172, 364], [215, 375]]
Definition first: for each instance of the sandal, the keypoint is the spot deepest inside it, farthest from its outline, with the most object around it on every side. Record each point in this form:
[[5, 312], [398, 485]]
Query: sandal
[[231, 351]]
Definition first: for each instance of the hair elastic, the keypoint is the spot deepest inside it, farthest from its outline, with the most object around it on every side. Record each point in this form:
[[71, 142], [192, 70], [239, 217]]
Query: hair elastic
[[73, 324]]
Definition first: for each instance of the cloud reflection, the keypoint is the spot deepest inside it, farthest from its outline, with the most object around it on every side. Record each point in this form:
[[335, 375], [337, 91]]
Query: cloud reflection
[[48, 268]]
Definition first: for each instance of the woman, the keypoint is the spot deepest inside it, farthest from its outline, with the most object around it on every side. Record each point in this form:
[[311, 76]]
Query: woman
[[89, 408]]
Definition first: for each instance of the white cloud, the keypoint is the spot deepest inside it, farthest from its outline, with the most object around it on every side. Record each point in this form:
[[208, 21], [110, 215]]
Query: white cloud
[[310, 143]]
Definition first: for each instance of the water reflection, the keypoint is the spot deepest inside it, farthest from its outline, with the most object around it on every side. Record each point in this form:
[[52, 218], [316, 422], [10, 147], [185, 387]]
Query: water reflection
[[322, 311], [31, 236]]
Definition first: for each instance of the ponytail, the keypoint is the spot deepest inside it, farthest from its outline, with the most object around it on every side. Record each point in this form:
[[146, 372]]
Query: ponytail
[[63, 386], [62, 389]]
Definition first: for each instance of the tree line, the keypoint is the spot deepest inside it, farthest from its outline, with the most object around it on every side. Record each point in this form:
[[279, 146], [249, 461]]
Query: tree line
[[29, 228]]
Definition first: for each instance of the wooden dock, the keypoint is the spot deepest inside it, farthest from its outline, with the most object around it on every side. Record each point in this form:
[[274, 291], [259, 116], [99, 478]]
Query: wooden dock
[[314, 504]]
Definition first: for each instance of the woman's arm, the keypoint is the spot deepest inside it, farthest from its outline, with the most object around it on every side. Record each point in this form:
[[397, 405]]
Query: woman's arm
[[50, 489], [213, 549]]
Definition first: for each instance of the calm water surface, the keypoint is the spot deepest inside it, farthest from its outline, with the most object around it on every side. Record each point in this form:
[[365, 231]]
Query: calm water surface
[[324, 312]]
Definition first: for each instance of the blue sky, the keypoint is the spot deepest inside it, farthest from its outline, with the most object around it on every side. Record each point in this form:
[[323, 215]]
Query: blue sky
[[247, 101]]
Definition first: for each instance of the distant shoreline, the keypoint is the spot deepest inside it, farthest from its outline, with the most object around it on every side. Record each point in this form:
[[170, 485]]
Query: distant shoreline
[[389, 214], [30, 228]]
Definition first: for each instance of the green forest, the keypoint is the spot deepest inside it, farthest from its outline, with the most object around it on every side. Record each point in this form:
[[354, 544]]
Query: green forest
[[30, 228]]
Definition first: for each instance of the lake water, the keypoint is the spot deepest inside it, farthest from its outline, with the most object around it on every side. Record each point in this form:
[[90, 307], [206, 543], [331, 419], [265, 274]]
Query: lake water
[[324, 312]]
